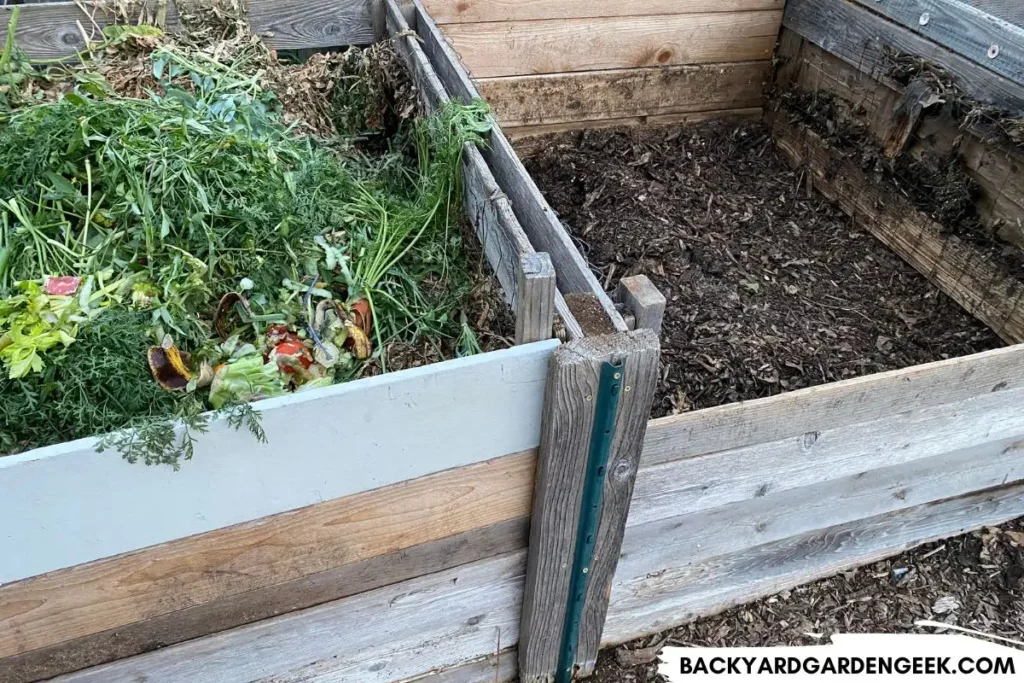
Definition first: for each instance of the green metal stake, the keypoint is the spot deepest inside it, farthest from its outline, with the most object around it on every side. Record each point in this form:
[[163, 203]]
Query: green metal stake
[[609, 387]]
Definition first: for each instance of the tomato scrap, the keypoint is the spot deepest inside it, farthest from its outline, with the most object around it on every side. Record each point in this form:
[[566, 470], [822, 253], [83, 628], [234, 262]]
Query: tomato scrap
[[62, 286]]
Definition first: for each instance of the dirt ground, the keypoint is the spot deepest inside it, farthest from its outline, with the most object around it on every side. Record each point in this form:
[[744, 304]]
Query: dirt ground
[[769, 289], [975, 581]]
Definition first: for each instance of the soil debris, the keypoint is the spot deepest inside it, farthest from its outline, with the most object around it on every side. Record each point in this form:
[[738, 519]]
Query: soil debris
[[975, 581], [768, 289]]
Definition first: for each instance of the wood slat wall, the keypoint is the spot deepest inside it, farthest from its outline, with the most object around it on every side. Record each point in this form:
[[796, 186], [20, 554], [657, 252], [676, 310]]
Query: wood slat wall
[[738, 502], [48, 31], [106, 610], [554, 65]]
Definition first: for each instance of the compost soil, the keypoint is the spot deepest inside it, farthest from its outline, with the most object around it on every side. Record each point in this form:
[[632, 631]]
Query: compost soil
[[974, 581], [770, 287]]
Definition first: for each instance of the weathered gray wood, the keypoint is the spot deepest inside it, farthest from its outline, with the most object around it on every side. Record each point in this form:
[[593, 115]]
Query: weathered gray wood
[[708, 481], [570, 399], [862, 37], [495, 224], [669, 596], [694, 537], [535, 298], [252, 606], [432, 91], [640, 295], [394, 633], [49, 31], [962, 29], [501, 667], [537, 218], [834, 405]]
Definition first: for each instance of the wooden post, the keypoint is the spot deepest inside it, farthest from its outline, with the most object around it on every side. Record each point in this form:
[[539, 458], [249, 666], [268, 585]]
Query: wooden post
[[574, 402], [535, 298], [644, 299]]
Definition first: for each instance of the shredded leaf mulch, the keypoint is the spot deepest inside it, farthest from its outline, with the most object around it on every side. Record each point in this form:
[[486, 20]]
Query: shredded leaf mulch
[[974, 581], [770, 288]]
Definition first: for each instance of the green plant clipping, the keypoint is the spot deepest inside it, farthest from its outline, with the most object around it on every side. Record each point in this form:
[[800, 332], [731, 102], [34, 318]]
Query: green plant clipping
[[197, 217]]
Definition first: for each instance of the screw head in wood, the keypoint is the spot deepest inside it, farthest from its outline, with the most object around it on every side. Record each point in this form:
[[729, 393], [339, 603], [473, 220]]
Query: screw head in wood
[[993, 52], [925, 18], [618, 375], [590, 397], [627, 388]]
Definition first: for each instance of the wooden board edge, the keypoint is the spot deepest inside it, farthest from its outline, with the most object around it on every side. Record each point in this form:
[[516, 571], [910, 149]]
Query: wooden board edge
[[245, 608], [836, 404], [49, 30], [766, 570], [567, 98], [535, 216], [456, 12]]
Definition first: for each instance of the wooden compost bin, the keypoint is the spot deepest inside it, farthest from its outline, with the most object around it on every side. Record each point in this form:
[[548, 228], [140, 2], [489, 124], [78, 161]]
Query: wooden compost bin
[[365, 517], [744, 500], [432, 537]]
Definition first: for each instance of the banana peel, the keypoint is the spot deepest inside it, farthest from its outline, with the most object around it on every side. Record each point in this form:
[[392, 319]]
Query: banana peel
[[357, 342], [168, 367]]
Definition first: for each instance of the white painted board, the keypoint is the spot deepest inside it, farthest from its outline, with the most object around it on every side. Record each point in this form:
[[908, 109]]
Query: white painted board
[[67, 504]]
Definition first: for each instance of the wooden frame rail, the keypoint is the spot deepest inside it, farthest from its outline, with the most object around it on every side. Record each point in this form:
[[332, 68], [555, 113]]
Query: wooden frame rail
[[537, 218]]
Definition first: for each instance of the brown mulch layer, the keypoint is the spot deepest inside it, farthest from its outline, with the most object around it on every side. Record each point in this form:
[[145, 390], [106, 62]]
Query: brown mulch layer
[[975, 581], [769, 289]]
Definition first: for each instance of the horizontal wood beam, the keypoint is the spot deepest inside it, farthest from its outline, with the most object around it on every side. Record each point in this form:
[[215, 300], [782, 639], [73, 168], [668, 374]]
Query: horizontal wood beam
[[50, 30], [528, 139], [559, 45], [537, 218], [622, 93], [753, 472], [114, 608], [471, 11], [862, 38], [395, 633], [665, 597], [995, 44], [833, 405]]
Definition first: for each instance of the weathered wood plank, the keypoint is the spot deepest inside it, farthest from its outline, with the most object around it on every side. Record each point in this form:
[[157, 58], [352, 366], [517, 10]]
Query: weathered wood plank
[[469, 11], [621, 93], [825, 503], [862, 38], [49, 31], [252, 606], [535, 216], [998, 168], [708, 481], [963, 29], [434, 622], [501, 667], [527, 139], [669, 596], [535, 305], [835, 405], [281, 559], [640, 295], [570, 400], [558, 45], [67, 504], [992, 294]]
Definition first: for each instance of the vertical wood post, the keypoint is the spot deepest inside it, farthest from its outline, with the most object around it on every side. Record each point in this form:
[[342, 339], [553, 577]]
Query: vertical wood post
[[535, 298], [569, 442], [644, 299]]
